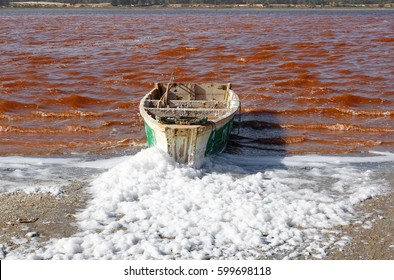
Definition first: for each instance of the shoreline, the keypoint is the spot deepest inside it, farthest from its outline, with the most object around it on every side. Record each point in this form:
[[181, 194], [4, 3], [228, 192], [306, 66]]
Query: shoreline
[[273, 7]]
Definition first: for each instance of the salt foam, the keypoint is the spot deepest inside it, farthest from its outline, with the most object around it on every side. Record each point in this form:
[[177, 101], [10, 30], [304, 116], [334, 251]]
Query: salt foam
[[150, 207]]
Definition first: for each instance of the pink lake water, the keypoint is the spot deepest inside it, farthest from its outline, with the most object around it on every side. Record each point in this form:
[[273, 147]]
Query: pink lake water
[[309, 81]]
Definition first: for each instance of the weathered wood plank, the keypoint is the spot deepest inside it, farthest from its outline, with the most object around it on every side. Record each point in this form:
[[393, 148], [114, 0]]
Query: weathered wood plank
[[205, 104], [186, 112]]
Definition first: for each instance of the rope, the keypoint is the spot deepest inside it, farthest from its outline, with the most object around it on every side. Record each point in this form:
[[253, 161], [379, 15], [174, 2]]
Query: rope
[[183, 121], [239, 116]]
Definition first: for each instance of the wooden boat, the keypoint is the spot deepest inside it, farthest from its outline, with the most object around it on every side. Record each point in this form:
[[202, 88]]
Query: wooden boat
[[189, 121]]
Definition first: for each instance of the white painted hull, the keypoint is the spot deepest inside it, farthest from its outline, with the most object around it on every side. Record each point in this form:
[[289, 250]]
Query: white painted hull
[[187, 143]]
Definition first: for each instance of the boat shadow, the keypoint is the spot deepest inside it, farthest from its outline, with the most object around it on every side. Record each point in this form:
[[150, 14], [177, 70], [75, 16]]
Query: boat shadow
[[257, 143]]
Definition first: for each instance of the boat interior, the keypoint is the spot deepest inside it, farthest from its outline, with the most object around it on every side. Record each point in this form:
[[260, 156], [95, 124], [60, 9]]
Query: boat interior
[[188, 101]]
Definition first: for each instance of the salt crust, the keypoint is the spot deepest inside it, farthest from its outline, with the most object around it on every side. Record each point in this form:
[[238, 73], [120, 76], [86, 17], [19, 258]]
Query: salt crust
[[149, 207]]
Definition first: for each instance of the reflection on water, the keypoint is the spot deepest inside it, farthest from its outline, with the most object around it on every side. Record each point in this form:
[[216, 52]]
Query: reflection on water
[[309, 81]]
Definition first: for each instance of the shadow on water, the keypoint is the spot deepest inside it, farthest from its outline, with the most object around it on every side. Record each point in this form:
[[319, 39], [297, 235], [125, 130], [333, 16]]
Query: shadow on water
[[257, 143]]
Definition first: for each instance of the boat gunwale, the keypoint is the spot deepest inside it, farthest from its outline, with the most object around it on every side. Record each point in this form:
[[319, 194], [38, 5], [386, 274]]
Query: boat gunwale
[[233, 107]]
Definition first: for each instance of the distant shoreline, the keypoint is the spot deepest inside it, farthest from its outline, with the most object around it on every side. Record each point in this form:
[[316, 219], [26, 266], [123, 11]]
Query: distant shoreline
[[42, 4]]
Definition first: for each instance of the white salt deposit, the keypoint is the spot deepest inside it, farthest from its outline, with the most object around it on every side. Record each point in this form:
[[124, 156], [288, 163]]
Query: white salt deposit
[[30, 175], [49, 175], [149, 207]]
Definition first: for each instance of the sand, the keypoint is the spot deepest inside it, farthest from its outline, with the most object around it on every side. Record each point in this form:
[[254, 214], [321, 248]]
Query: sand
[[40, 216], [43, 216], [373, 239]]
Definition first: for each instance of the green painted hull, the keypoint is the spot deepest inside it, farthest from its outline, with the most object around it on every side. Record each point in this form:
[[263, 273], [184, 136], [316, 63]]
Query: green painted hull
[[216, 143], [218, 139], [150, 135]]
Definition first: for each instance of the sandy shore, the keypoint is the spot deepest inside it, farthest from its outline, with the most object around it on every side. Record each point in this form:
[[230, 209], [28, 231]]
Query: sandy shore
[[43, 216], [40, 216], [374, 238], [44, 4]]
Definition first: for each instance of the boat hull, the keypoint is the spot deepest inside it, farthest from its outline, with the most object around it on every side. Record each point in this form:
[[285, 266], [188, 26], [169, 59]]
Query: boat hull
[[190, 143]]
